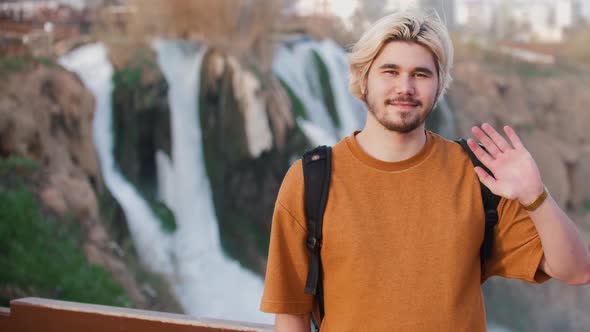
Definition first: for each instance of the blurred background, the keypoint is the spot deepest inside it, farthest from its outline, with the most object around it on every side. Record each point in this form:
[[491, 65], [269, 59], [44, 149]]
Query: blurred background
[[142, 143]]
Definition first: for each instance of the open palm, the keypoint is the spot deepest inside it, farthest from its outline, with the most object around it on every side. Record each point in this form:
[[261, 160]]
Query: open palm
[[515, 173]]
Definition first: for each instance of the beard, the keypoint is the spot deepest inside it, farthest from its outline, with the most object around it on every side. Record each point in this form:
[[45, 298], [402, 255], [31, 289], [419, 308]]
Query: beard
[[403, 123]]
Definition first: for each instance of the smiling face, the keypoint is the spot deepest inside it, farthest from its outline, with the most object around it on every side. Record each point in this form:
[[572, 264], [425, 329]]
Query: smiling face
[[401, 86]]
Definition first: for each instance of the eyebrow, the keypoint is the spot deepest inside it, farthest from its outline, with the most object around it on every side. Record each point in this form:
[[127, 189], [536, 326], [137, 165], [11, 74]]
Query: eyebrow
[[417, 69]]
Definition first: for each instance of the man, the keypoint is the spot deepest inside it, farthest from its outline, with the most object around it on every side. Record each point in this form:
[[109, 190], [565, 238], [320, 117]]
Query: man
[[404, 220]]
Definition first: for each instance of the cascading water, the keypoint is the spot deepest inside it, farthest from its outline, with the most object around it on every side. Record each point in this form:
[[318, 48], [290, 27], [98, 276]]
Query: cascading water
[[206, 282], [91, 64], [294, 65], [351, 110]]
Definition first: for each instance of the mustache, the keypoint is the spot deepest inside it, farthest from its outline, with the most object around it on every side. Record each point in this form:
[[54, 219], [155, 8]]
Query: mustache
[[404, 99]]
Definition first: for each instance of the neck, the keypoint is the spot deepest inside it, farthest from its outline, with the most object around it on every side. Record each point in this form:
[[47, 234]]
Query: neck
[[390, 146]]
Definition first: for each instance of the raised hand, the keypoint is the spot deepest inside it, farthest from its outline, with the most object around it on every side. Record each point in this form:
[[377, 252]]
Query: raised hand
[[515, 172]]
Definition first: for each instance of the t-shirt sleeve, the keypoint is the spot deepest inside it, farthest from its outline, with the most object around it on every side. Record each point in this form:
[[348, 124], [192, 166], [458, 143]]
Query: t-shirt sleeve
[[287, 265], [517, 250]]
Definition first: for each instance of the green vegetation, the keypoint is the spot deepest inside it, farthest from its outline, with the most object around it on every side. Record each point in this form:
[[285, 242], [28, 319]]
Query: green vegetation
[[165, 216], [296, 104], [587, 205], [531, 71], [43, 256], [13, 64], [18, 164], [327, 95], [128, 76]]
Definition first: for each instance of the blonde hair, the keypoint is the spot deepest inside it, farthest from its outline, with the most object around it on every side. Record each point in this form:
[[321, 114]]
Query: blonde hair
[[410, 26]]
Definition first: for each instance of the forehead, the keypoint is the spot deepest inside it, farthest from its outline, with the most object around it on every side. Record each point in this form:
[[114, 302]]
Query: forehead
[[406, 55]]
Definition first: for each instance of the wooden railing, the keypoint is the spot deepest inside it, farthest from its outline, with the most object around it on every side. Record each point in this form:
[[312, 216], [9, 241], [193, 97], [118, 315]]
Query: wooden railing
[[35, 315]]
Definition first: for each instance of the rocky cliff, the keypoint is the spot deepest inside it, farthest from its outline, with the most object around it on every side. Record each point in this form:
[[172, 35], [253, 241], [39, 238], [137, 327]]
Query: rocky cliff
[[46, 117]]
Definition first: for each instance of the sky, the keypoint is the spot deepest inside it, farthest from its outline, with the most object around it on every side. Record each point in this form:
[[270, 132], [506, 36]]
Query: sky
[[341, 8]]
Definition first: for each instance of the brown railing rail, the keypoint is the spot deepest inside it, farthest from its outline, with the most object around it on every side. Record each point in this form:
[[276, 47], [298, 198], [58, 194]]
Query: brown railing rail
[[35, 315]]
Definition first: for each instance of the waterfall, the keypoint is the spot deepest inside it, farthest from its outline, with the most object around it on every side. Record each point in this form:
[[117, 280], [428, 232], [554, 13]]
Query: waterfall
[[92, 66], [295, 65], [351, 110], [206, 282]]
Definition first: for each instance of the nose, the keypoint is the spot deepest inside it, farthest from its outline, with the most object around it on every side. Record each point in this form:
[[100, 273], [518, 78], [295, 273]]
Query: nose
[[405, 85]]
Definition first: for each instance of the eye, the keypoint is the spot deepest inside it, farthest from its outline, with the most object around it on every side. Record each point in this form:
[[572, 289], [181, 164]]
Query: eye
[[421, 75], [391, 72]]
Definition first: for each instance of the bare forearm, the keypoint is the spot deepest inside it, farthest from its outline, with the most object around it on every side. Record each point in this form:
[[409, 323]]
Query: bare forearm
[[566, 253], [292, 323]]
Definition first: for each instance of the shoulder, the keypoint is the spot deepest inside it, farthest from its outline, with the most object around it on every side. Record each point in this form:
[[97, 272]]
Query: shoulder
[[450, 148], [291, 193]]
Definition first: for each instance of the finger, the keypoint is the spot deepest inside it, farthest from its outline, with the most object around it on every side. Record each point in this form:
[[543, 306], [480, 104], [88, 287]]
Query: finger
[[486, 141], [486, 179], [516, 142], [480, 153], [500, 142]]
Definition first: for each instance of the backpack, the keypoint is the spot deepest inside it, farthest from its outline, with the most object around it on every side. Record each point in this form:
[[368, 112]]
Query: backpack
[[317, 166]]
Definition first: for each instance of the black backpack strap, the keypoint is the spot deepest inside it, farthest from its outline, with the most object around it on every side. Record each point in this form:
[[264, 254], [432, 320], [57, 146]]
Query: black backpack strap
[[317, 167], [490, 205]]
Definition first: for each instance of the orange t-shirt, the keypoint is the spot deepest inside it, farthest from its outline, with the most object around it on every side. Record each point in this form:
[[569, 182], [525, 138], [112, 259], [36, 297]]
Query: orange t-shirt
[[401, 241]]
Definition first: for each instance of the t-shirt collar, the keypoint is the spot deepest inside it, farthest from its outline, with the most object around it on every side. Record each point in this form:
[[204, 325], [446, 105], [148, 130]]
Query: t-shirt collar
[[365, 158]]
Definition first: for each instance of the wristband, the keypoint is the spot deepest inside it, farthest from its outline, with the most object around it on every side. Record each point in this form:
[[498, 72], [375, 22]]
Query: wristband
[[534, 205]]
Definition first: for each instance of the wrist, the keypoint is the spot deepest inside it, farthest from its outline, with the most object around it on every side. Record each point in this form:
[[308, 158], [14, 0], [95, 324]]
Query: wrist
[[533, 204], [528, 196]]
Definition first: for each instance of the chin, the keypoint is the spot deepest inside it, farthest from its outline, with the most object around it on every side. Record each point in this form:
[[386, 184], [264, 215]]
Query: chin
[[402, 128]]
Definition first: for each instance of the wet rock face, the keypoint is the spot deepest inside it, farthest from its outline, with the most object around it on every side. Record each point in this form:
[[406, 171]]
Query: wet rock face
[[244, 182], [141, 122]]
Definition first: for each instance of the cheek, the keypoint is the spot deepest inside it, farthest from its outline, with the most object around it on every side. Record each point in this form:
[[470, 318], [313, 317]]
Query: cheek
[[379, 86]]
